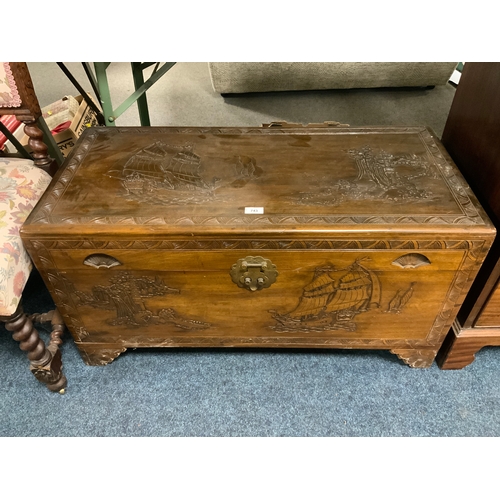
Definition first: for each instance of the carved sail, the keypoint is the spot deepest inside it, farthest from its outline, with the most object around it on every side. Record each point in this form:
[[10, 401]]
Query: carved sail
[[184, 168], [333, 297], [143, 166], [157, 149]]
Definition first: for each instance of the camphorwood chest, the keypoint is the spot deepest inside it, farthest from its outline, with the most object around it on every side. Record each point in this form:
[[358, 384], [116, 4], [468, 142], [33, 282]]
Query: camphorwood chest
[[277, 236]]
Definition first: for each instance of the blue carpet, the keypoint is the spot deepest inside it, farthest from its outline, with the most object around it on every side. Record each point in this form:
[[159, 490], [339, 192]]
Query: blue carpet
[[246, 393]]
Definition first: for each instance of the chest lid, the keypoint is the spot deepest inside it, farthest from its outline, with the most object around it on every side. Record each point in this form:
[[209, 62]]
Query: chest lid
[[257, 180]]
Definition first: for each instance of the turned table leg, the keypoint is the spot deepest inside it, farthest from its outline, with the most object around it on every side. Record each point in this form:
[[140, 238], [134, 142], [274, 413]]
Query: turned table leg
[[45, 362]]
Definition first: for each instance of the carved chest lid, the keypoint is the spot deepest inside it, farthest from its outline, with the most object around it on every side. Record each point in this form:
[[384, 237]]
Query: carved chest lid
[[257, 180]]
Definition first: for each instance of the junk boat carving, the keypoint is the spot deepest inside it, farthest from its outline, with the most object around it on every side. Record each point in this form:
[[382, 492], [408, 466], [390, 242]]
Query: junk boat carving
[[164, 174], [332, 300], [158, 170]]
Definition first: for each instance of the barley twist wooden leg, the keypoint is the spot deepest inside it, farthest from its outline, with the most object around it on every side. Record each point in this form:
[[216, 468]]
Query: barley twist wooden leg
[[40, 153], [55, 319], [45, 363]]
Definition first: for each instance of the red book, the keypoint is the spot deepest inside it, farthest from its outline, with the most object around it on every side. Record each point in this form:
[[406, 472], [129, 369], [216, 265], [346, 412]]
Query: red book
[[11, 123]]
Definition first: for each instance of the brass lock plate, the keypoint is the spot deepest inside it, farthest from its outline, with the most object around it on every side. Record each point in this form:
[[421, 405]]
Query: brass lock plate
[[254, 273]]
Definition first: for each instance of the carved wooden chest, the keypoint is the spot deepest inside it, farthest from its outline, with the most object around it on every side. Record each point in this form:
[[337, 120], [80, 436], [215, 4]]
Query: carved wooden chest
[[320, 237]]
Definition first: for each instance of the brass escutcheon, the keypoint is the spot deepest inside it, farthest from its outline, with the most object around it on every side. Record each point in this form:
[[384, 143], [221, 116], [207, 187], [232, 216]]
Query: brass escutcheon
[[254, 273]]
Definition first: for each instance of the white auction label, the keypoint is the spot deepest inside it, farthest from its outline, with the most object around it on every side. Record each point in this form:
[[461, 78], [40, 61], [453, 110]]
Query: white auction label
[[254, 210]]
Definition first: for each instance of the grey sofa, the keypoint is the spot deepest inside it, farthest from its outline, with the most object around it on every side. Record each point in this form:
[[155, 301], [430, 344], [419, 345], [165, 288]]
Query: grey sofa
[[242, 77]]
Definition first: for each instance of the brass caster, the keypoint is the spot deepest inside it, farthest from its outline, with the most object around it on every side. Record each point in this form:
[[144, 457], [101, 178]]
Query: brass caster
[[62, 391]]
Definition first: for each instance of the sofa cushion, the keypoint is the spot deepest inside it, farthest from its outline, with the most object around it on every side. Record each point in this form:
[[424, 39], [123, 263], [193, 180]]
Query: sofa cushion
[[21, 186]]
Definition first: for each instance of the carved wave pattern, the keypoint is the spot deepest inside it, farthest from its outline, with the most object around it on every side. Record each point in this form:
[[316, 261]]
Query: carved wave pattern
[[456, 184], [207, 341], [59, 289], [256, 245], [471, 216], [263, 221], [463, 278], [47, 204]]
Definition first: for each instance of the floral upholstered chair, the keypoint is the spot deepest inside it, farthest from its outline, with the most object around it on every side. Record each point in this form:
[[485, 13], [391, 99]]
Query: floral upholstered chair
[[22, 183]]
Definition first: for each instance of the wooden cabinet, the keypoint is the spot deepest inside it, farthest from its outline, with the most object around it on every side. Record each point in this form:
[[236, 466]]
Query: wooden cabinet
[[472, 137], [320, 237]]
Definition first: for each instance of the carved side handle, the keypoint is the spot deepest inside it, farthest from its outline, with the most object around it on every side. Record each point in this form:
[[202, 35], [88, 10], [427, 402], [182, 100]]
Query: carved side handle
[[412, 261], [99, 260]]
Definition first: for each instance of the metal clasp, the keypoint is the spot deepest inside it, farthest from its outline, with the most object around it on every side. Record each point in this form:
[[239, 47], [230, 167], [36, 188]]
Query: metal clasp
[[253, 273]]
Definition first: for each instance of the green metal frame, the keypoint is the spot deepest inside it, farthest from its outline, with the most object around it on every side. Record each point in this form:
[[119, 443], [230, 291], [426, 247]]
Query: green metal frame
[[52, 146], [139, 96], [83, 92]]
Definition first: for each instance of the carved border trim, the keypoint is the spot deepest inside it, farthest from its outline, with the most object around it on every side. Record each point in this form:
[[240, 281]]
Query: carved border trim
[[227, 341], [254, 244], [456, 184], [46, 206], [461, 283]]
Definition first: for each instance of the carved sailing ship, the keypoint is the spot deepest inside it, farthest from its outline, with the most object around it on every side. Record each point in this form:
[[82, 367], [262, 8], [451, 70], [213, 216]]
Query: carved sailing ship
[[172, 175], [332, 300], [156, 165], [165, 174]]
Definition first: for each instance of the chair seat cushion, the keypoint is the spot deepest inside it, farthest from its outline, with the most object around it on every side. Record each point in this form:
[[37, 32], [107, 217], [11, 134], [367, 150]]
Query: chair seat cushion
[[21, 186]]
